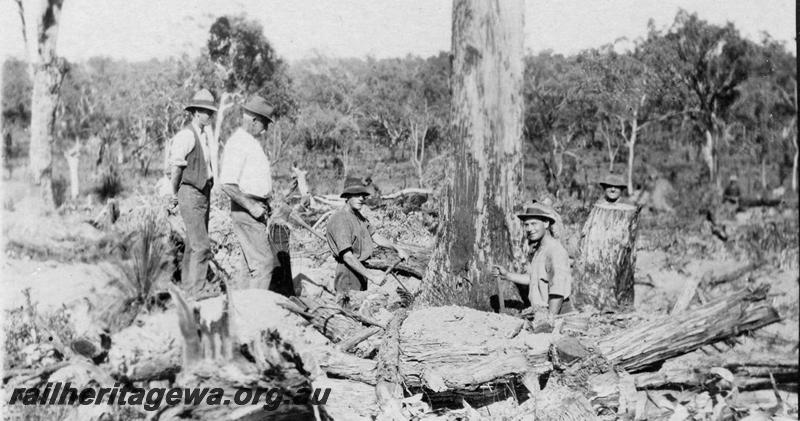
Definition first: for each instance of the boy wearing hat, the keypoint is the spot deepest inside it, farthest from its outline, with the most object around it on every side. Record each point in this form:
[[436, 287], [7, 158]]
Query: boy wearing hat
[[246, 177], [352, 239], [193, 163], [613, 186], [548, 273]]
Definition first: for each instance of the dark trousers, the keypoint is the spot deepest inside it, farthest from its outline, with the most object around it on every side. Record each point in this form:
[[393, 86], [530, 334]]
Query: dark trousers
[[259, 260], [194, 208]]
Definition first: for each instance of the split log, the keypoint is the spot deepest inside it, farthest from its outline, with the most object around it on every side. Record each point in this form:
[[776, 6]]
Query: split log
[[747, 375], [708, 281], [457, 349], [652, 342], [347, 366], [388, 389], [604, 277]]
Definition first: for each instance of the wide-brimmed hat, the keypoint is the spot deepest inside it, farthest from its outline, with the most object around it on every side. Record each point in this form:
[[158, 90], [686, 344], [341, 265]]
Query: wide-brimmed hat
[[537, 210], [354, 186], [202, 99], [614, 180], [260, 107]]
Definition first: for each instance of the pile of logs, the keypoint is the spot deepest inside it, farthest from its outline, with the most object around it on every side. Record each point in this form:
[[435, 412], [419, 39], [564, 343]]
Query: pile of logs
[[450, 355]]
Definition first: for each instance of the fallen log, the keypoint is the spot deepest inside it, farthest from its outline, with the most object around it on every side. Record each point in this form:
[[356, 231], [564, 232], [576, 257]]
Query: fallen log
[[388, 388], [747, 375], [383, 259], [329, 318], [652, 342], [459, 349]]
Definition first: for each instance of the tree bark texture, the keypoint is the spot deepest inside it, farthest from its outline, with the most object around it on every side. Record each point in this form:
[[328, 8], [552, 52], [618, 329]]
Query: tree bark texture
[[608, 259], [48, 73], [634, 349], [479, 226]]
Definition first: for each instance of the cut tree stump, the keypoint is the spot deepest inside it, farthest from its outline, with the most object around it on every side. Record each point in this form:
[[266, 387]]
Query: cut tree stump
[[605, 267], [639, 347], [217, 354]]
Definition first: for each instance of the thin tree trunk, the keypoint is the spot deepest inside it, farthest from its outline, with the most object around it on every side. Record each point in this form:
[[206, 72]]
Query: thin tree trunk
[[479, 227], [631, 149], [794, 166], [48, 73], [710, 157], [73, 159]]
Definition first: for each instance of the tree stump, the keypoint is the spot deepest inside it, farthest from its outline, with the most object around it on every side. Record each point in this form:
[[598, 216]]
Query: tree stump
[[605, 267]]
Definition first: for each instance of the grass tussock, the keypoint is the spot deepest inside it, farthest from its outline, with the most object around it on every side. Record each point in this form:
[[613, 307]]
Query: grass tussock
[[147, 261], [109, 186]]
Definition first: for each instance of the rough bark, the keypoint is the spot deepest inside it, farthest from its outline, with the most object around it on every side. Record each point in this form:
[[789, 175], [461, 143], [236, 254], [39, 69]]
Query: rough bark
[[48, 73], [652, 342], [479, 226], [604, 278], [328, 317]]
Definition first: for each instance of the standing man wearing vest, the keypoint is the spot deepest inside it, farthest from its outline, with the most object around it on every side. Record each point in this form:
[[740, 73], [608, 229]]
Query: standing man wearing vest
[[193, 165], [246, 177]]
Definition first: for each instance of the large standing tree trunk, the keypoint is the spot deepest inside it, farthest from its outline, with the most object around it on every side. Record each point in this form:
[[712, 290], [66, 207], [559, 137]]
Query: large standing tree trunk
[[479, 226], [606, 264], [48, 73]]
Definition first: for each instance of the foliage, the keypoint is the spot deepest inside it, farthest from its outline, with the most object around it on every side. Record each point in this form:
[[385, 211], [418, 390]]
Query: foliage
[[17, 91], [25, 326], [148, 262], [110, 185]]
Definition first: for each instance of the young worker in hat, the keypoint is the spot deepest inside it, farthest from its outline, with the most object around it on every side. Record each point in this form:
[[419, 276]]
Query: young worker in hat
[[193, 163], [246, 177], [613, 186], [548, 274], [352, 239]]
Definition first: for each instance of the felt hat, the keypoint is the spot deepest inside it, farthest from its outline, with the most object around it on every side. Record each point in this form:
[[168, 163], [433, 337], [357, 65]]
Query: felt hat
[[202, 99], [614, 180], [537, 210], [354, 186], [260, 107]]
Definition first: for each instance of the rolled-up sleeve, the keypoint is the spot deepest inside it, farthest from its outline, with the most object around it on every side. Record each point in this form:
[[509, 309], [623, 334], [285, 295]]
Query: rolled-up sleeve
[[561, 280], [339, 236], [180, 146]]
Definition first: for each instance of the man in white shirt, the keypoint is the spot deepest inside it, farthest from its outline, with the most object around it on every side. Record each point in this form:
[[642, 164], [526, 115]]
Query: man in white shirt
[[193, 163], [246, 177]]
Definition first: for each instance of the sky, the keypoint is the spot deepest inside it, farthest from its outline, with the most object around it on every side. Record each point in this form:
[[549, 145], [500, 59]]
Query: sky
[[144, 29]]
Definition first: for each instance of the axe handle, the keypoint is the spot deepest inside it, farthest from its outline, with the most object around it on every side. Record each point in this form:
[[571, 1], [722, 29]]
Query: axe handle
[[500, 298], [388, 271]]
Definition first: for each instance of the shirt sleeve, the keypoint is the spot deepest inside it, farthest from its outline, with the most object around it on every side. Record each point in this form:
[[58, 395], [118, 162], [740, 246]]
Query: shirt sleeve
[[561, 280], [339, 236], [180, 146], [232, 162]]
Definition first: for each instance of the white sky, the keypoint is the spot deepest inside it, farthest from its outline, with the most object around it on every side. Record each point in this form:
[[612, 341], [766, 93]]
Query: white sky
[[142, 29]]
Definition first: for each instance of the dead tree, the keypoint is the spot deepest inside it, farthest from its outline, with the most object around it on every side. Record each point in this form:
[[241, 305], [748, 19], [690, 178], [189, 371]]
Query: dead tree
[[48, 72], [604, 278], [479, 226]]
